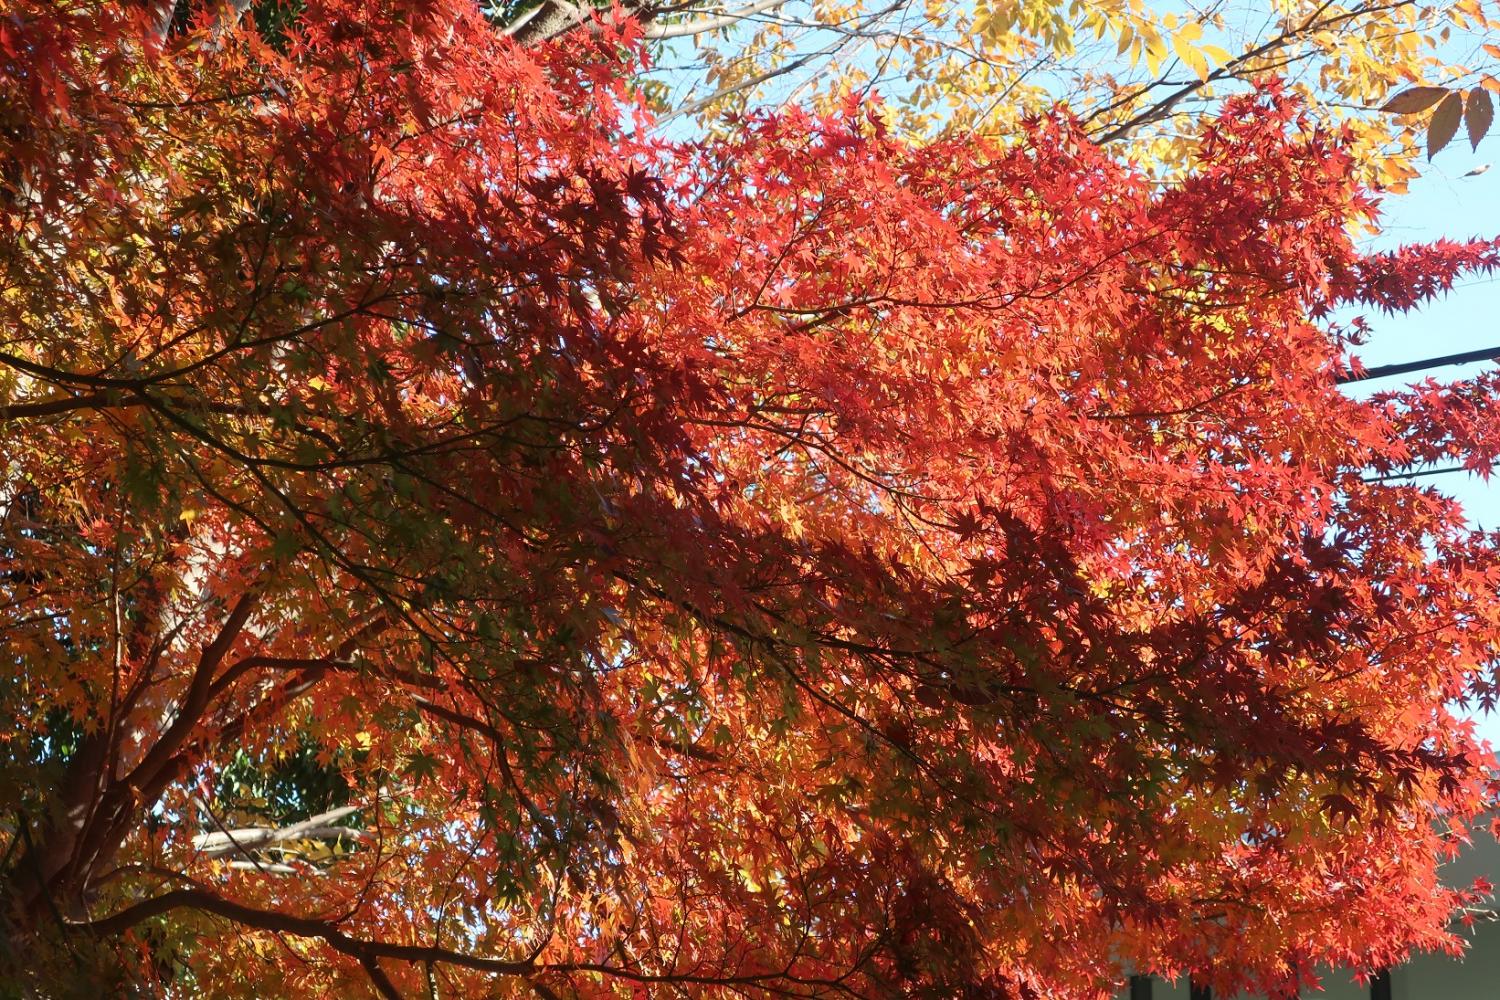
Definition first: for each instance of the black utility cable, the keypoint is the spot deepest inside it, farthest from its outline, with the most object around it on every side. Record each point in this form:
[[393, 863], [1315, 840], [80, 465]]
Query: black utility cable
[[1467, 357]]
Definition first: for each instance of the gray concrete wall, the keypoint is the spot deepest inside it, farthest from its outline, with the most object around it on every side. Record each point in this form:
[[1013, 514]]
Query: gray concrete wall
[[1474, 976]]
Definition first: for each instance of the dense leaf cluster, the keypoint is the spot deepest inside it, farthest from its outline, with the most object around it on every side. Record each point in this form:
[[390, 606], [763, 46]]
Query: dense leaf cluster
[[799, 563]]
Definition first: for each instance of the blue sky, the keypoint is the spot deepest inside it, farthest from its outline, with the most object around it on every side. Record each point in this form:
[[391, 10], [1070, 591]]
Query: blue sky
[[1442, 202]]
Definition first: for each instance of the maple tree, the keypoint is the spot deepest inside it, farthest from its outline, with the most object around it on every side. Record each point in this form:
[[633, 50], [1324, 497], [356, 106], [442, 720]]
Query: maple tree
[[457, 542]]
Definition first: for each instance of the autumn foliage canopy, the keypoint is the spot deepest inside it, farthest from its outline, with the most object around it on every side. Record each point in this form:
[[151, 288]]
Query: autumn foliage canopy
[[799, 563]]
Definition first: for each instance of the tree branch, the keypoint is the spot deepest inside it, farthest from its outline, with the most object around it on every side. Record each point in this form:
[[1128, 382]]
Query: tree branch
[[243, 840], [706, 24], [286, 923]]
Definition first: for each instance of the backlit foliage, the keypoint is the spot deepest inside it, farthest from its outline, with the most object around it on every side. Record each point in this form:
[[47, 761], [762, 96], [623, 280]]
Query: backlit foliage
[[1140, 74], [798, 563]]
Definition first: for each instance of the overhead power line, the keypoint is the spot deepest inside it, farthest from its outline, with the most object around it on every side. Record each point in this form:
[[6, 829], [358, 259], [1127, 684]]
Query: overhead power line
[[1387, 477], [1446, 360], [1467, 357]]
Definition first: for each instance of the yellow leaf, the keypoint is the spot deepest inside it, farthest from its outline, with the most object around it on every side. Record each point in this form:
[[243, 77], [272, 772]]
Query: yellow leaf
[[1154, 60], [1190, 56], [1216, 55]]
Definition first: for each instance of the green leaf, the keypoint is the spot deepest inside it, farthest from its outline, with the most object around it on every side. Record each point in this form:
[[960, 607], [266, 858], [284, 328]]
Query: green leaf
[[422, 768]]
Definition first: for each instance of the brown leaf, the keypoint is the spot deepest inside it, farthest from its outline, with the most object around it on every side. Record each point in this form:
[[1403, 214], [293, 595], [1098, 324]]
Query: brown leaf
[[930, 696], [1414, 99], [972, 695], [1341, 809], [1444, 123], [1478, 115]]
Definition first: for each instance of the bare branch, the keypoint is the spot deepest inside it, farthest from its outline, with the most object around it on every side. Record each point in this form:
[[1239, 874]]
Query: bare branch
[[243, 840], [706, 24]]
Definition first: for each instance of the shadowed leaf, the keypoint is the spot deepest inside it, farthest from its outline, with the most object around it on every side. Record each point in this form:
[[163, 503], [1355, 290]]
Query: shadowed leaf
[[1478, 115], [1444, 124], [1413, 100]]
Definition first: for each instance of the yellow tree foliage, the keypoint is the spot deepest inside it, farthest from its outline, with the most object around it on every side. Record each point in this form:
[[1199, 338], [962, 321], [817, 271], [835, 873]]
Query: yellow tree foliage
[[1137, 72]]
